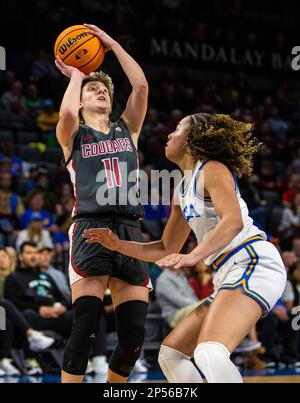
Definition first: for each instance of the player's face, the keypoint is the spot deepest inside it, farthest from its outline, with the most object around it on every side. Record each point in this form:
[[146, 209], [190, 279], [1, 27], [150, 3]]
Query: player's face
[[95, 96], [175, 148]]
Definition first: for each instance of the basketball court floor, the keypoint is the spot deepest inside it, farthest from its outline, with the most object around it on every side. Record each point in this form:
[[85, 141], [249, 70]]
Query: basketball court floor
[[156, 376]]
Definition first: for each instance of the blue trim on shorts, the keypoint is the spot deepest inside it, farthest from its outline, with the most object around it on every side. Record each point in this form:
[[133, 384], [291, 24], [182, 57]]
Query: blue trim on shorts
[[243, 282]]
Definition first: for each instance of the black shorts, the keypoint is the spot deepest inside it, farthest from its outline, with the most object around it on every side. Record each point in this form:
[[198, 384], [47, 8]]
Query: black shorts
[[87, 260]]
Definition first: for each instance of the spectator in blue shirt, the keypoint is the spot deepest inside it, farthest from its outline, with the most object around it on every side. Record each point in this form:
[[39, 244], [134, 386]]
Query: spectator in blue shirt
[[15, 202], [36, 203]]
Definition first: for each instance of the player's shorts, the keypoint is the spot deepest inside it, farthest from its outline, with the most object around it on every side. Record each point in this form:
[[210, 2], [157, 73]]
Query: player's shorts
[[256, 268], [88, 260]]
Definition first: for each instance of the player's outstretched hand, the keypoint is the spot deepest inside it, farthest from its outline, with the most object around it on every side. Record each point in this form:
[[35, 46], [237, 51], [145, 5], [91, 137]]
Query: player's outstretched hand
[[104, 236], [178, 261], [67, 70], [107, 41]]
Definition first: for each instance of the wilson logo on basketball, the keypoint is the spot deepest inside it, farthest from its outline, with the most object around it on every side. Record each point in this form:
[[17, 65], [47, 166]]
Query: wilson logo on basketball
[[81, 53], [71, 42]]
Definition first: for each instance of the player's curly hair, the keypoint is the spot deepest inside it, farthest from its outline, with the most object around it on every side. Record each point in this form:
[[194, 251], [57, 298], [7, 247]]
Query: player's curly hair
[[102, 78], [220, 137]]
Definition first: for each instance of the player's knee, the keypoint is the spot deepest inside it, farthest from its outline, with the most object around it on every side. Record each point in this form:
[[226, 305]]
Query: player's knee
[[169, 357], [127, 351], [131, 317], [131, 332], [211, 355], [86, 318]]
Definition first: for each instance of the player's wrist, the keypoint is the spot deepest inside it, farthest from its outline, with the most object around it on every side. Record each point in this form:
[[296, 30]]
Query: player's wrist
[[115, 46], [196, 256], [75, 73], [118, 246]]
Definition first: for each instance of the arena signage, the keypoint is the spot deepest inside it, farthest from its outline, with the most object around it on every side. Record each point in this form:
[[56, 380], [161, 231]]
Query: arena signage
[[207, 53]]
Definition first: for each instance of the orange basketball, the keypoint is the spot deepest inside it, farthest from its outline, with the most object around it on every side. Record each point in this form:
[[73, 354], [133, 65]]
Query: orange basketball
[[79, 49]]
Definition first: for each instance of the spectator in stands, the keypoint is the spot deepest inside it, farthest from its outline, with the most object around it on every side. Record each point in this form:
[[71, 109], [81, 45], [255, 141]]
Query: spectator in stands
[[296, 163], [293, 188], [45, 258], [35, 233], [155, 214], [44, 185], [16, 324], [36, 205], [42, 68], [18, 119], [289, 258], [34, 103], [7, 82], [13, 256], [6, 268], [36, 294], [291, 299], [175, 297], [291, 296], [30, 183], [256, 204], [14, 95], [47, 121], [269, 182], [14, 161], [9, 222], [201, 281], [15, 202], [296, 247], [278, 125], [278, 324], [290, 222], [64, 221]]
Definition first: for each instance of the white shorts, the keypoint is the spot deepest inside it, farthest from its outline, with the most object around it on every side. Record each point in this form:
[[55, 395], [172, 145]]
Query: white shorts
[[256, 268]]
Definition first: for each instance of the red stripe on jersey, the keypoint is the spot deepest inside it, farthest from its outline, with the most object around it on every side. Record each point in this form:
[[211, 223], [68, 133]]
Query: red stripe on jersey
[[109, 177], [117, 172]]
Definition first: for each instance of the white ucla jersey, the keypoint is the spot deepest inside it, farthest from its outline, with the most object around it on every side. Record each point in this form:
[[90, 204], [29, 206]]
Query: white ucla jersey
[[202, 217]]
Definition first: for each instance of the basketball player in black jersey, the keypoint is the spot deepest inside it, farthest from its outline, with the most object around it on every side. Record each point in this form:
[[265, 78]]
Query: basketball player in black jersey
[[96, 153]]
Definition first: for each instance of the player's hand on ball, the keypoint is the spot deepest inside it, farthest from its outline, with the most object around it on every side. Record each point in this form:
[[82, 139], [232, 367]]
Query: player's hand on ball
[[107, 41], [67, 70], [178, 261], [104, 236]]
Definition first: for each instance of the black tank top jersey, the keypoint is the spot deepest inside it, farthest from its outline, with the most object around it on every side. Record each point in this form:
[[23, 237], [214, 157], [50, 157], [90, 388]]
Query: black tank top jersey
[[104, 172]]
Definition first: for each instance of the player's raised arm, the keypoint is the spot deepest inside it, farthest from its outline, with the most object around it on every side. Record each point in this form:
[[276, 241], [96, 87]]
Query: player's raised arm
[[69, 110], [136, 108], [172, 241]]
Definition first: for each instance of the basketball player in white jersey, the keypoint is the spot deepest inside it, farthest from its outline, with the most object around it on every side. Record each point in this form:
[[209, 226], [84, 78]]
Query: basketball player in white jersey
[[249, 274]]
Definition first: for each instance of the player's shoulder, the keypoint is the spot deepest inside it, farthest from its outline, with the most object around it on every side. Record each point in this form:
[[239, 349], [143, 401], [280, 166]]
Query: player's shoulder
[[217, 173], [214, 167]]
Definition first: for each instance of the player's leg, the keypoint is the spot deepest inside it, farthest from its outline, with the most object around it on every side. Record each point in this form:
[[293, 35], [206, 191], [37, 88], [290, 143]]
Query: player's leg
[[178, 348], [131, 304], [87, 299], [230, 318]]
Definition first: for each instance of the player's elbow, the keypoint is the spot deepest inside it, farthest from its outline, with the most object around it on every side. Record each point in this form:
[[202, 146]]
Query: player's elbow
[[142, 86]]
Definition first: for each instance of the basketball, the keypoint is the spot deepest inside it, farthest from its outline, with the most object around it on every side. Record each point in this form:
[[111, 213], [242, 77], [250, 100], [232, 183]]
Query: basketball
[[77, 48]]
